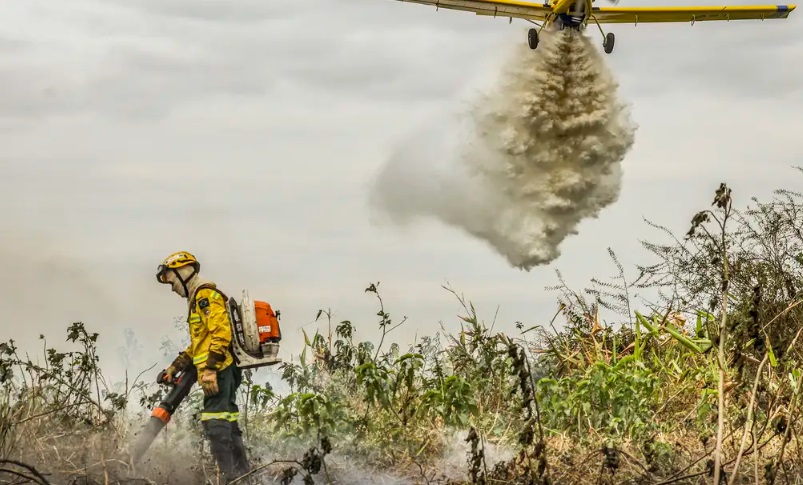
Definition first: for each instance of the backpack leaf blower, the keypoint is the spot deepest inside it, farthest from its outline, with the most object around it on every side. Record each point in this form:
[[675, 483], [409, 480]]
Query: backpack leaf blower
[[255, 343]]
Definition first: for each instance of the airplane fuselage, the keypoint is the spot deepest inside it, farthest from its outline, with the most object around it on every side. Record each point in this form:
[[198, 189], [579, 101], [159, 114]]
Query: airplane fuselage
[[570, 13]]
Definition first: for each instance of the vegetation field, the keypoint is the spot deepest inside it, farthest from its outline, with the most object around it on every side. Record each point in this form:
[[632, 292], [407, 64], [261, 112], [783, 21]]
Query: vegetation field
[[700, 385]]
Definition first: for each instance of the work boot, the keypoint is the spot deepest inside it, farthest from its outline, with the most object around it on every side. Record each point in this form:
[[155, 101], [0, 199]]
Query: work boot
[[241, 464], [221, 445]]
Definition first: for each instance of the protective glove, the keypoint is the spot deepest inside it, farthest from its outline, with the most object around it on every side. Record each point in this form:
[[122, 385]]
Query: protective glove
[[208, 382], [166, 376], [179, 364]]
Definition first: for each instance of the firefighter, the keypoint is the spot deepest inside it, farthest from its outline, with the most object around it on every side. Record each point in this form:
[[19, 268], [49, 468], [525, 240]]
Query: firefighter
[[209, 351]]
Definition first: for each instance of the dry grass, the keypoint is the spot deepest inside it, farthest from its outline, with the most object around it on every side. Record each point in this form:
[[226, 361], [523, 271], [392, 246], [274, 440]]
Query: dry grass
[[648, 399]]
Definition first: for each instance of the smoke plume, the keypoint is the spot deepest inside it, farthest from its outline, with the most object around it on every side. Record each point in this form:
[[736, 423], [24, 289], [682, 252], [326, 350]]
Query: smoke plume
[[539, 153]]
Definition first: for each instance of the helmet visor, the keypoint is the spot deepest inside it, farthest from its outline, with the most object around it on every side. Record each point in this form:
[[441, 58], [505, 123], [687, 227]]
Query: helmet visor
[[160, 274]]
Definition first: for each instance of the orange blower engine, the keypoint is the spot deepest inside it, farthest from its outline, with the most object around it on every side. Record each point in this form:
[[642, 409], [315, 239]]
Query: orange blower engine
[[255, 343], [256, 332]]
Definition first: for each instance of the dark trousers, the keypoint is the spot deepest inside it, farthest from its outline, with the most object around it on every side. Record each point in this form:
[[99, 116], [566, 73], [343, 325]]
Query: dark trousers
[[219, 418]]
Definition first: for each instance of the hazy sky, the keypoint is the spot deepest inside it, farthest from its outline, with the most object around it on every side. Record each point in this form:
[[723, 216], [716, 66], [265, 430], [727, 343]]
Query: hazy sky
[[248, 133]]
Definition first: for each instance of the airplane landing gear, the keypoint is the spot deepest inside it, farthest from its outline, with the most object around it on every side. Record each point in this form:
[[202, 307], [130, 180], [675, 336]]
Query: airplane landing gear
[[607, 39], [607, 44], [532, 38]]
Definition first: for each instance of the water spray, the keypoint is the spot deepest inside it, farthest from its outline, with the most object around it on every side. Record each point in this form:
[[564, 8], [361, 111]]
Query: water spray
[[543, 152]]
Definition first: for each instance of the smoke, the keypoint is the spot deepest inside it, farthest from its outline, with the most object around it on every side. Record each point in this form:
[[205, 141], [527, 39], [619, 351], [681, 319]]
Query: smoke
[[44, 287], [540, 153], [344, 465]]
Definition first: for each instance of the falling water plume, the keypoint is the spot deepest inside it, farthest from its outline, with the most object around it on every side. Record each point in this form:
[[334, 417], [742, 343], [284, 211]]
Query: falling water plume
[[544, 152]]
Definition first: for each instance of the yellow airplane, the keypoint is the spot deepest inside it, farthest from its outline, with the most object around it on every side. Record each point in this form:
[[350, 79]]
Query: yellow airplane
[[576, 14]]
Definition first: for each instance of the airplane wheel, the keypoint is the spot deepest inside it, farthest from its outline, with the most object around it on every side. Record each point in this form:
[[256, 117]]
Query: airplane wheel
[[532, 38], [608, 42]]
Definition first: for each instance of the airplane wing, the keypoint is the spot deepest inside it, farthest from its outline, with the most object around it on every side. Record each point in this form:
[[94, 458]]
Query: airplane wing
[[636, 15], [495, 8], [540, 11]]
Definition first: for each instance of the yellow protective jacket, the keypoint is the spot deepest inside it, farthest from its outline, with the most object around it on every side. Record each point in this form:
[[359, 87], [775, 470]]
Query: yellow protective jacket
[[210, 329]]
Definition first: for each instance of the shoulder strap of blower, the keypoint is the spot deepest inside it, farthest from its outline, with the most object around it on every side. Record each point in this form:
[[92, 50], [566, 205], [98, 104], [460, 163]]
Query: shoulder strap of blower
[[225, 305], [211, 287]]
